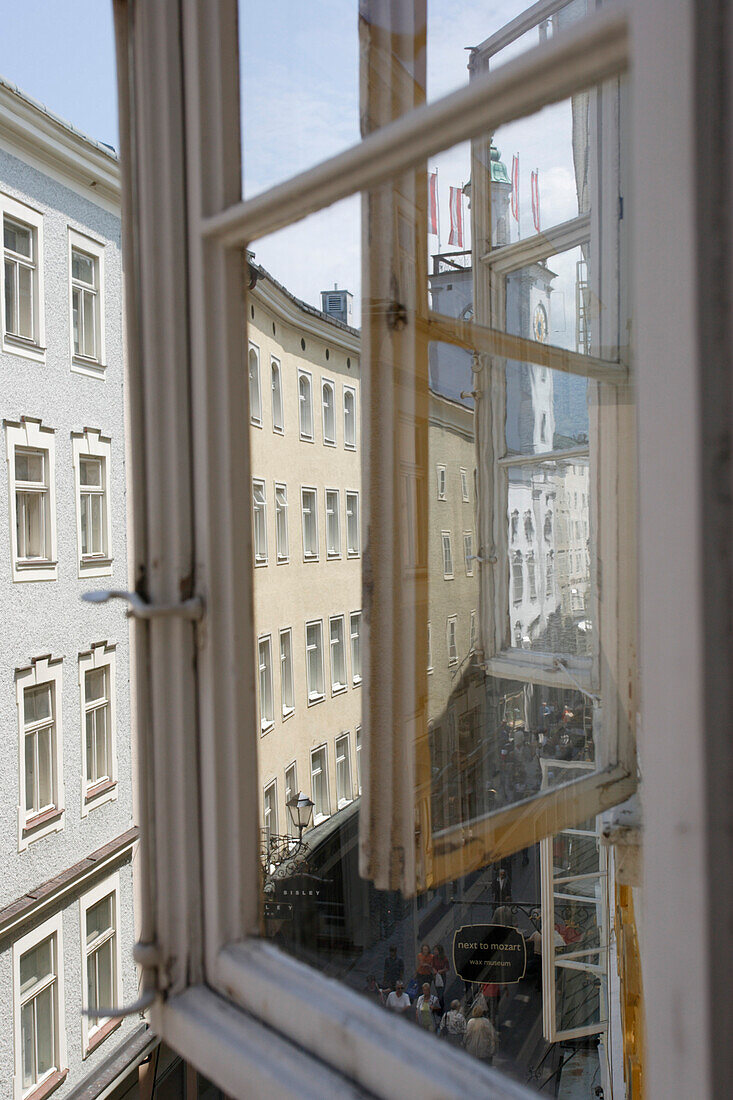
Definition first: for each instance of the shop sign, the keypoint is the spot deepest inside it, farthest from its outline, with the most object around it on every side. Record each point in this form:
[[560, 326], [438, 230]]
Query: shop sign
[[489, 953], [278, 910]]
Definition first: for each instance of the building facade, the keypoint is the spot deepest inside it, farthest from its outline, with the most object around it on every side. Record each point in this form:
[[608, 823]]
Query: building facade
[[67, 834]]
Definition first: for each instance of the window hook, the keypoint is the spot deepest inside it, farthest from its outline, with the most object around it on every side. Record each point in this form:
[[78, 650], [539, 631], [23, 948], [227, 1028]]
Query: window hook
[[139, 608]]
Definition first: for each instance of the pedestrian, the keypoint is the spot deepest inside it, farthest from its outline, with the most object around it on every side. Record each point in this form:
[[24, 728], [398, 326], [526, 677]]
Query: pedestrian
[[441, 967], [424, 971], [501, 890], [426, 1008], [453, 1024], [492, 995], [394, 969], [481, 1040], [398, 1001], [372, 990]]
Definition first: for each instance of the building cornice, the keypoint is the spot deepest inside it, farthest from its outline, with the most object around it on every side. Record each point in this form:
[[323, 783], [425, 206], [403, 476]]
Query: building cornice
[[36, 902], [28, 130], [305, 318]]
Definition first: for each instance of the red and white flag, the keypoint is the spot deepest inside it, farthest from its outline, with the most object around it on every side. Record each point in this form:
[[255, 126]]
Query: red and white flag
[[433, 203], [534, 184], [515, 187], [456, 216]]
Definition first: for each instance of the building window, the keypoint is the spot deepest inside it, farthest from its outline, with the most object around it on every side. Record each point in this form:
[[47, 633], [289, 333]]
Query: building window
[[278, 420], [514, 524], [310, 524], [269, 812], [447, 555], [353, 541], [452, 644], [355, 630], [92, 453], [102, 957], [338, 654], [319, 785], [528, 526], [291, 790], [358, 759], [40, 1040], [22, 298], [92, 507], [430, 647], [468, 552], [87, 305], [441, 482], [333, 524], [99, 740], [531, 578], [329, 413], [349, 419], [472, 633], [30, 453], [549, 573], [517, 577], [255, 393], [38, 696], [314, 661], [281, 523], [305, 405], [267, 714], [259, 527], [464, 486], [287, 694], [344, 791]]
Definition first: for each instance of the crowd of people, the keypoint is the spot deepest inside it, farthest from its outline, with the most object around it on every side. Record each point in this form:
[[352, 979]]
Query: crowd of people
[[422, 1000]]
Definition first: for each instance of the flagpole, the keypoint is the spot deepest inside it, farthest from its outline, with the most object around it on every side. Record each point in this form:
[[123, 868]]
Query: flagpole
[[437, 207]]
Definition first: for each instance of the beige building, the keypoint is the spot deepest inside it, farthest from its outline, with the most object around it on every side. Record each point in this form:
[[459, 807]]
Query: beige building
[[306, 462]]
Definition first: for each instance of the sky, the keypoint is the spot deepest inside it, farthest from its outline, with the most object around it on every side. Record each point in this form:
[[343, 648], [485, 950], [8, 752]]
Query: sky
[[299, 78]]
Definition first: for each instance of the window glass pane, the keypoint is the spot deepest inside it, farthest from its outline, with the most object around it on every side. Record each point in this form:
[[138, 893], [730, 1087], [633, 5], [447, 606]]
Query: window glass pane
[[37, 703], [90, 471], [44, 738], [31, 525], [18, 238], [105, 973], [10, 296], [95, 684], [36, 965], [25, 302], [30, 467], [100, 918], [82, 267], [28, 1044], [45, 1031], [546, 410], [76, 318]]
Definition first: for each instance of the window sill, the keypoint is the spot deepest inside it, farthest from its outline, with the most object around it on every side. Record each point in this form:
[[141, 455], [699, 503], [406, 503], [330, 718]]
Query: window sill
[[333, 555], [255, 423], [357, 681], [99, 789], [288, 713], [90, 368], [353, 553], [259, 564], [102, 1033], [42, 569], [283, 561], [313, 699], [95, 567], [448, 576], [50, 1085], [16, 345], [349, 446], [33, 823], [278, 431], [338, 689], [265, 727], [310, 557], [306, 439]]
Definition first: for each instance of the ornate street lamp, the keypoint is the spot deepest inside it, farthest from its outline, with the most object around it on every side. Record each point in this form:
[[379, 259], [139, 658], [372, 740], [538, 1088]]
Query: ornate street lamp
[[300, 809]]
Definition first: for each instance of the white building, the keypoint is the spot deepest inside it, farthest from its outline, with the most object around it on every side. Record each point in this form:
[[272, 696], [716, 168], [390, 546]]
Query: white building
[[66, 811]]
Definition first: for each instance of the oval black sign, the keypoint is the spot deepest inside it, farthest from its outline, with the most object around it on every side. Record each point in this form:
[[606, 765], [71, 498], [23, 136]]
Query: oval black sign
[[489, 953]]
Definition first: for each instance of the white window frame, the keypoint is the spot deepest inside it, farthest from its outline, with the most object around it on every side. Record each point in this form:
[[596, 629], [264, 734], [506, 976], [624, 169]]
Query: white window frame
[[270, 826], [277, 373], [261, 556], [30, 434], [51, 927], [30, 349], [282, 554], [91, 443], [472, 632], [303, 403], [42, 670], [441, 475], [468, 556], [446, 544], [318, 815], [94, 366], [464, 486], [357, 750], [314, 696], [343, 744], [349, 444], [267, 722], [291, 790], [310, 555], [355, 636], [451, 639], [337, 686], [430, 648], [351, 496], [333, 518], [101, 655], [255, 407], [94, 1031], [205, 976], [287, 675], [330, 385]]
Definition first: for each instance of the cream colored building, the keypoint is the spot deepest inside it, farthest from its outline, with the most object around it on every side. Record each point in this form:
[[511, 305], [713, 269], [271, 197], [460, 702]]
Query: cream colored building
[[306, 498]]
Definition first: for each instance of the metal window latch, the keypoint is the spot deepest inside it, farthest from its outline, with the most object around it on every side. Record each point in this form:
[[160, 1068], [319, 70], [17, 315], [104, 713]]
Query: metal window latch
[[147, 956], [139, 608]]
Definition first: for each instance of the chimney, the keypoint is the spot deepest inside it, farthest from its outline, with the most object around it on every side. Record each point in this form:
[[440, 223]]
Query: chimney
[[337, 303]]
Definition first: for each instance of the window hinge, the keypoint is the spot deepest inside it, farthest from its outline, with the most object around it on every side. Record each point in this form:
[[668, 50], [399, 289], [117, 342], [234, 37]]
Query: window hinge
[[139, 608]]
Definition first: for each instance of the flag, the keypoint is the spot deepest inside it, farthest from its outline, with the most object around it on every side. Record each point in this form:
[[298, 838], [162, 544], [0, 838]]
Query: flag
[[534, 183], [433, 203], [456, 216], [515, 187]]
